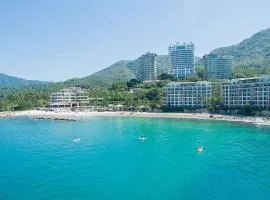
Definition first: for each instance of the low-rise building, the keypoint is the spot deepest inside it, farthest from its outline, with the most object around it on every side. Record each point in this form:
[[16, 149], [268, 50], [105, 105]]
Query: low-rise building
[[187, 94], [73, 97], [236, 93]]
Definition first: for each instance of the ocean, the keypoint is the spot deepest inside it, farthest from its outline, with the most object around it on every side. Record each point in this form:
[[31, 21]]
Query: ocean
[[40, 160]]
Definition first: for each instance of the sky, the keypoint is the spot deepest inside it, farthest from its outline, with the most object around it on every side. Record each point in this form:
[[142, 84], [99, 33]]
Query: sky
[[55, 40]]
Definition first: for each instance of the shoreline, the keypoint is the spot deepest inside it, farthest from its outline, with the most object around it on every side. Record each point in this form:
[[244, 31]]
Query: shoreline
[[72, 116]]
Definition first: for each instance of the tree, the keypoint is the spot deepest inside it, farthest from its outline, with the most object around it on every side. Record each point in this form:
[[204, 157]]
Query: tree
[[154, 95], [132, 83], [192, 78], [248, 109], [162, 83], [214, 102], [200, 71], [165, 76], [119, 85], [42, 102]]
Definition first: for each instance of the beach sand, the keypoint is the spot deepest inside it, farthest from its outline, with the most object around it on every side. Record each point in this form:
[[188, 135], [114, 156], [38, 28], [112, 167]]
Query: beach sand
[[69, 115]]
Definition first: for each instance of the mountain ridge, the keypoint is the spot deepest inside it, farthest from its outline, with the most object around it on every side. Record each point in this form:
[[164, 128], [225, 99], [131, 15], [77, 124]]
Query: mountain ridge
[[123, 70], [12, 81], [252, 52]]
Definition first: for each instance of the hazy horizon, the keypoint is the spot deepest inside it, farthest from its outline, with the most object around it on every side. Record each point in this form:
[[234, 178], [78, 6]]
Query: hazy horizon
[[58, 40]]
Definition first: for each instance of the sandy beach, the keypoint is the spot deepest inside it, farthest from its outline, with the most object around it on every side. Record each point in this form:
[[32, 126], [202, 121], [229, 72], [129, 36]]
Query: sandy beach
[[69, 115]]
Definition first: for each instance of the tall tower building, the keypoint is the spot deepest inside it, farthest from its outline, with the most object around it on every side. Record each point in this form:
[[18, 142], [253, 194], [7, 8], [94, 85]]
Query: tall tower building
[[181, 59], [147, 70], [216, 66]]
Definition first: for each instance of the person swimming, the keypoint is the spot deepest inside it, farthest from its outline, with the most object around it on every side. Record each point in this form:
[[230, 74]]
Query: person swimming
[[200, 149], [142, 137]]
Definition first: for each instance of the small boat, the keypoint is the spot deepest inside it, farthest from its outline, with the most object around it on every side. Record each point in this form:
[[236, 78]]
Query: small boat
[[200, 149], [77, 140], [142, 138]]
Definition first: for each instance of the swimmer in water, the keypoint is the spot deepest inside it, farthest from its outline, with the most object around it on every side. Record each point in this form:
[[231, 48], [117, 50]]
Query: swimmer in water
[[200, 149], [142, 137]]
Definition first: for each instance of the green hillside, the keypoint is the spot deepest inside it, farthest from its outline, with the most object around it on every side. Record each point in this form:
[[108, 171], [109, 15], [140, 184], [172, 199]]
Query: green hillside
[[117, 71], [11, 81], [251, 58], [124, 70], [252, 53]]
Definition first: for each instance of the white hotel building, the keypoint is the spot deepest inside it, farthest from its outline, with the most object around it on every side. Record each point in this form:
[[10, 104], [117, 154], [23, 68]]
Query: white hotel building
[[181, 59], [187, 94], [237, 93], [69, 98]]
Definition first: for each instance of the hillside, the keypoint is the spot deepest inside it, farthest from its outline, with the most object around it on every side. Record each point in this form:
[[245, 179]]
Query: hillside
[[124, 70], [11, 81], [251, 58], [115, 72], [253, 52]]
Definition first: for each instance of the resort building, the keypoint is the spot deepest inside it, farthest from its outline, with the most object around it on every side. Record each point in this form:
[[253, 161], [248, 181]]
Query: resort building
[[187, 94], [147, 70], [219, 67], [236, 93], [73, 97], [181, 59]]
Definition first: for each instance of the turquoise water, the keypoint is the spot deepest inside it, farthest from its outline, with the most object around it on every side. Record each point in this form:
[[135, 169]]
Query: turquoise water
[[39, 160]]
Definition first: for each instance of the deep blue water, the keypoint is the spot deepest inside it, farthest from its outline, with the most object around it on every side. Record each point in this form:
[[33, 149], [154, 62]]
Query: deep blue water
[[39, 160]]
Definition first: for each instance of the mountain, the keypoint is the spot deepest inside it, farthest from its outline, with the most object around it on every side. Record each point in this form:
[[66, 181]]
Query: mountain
[[251, 58], [11, 81], [124, 70], [253, 52], [115, 72]]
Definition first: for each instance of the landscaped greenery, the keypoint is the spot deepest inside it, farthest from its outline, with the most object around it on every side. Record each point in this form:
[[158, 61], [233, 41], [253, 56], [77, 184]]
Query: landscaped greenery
[[122, 93]]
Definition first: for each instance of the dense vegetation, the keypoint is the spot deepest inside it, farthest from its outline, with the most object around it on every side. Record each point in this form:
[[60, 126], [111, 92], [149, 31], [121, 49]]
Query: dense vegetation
[[132, 93], [23, 98]]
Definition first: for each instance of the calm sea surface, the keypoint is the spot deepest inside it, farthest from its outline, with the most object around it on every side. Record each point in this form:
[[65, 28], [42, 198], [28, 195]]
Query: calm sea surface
[[39, 160]]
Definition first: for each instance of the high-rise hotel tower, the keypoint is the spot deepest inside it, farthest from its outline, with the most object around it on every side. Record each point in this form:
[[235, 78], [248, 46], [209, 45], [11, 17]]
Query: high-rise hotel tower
[[181, 59], [217, 66], [147, 70]]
